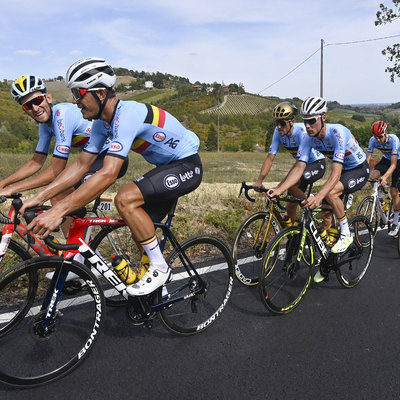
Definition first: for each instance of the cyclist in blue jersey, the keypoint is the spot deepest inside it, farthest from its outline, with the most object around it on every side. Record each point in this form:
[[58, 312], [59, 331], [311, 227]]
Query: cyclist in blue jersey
[[62, 121], [350, 169], [389, 165], [148, 130], [289, 134]]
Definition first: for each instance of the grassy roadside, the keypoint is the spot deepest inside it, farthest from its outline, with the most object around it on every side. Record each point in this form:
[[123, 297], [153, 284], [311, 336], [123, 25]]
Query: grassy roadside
[[214, 207]]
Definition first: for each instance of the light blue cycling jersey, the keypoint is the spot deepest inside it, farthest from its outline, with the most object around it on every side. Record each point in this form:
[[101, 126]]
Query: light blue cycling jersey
[[292, 142], [389, 149], [69, 128], [148, 130], [338, 144]]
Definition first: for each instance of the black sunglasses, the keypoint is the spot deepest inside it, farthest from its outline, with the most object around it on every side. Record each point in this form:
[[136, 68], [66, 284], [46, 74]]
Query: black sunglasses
[[37, 101], [282, 122], [311, 121]]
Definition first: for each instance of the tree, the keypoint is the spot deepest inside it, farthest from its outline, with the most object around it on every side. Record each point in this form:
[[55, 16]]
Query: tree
[[384, 16], [212, 139]]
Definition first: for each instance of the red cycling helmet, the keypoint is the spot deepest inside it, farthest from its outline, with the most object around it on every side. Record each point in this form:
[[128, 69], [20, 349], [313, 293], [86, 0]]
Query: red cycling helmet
[[378, 128]]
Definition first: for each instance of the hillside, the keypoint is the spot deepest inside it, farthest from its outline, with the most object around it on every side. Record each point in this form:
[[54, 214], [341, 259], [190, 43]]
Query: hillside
[[242, 104], [235, 122]]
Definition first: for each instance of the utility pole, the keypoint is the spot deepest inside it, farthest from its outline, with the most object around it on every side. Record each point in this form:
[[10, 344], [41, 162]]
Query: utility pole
[[218, 124], [321, 83]]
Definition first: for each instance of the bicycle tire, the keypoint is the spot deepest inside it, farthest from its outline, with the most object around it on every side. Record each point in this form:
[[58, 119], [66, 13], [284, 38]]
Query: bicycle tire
[[15, 254], [197, 306], [354, 263], [284, 280], [398, 244], [109, 241], [248, 247], [365, 208], [32, 356]]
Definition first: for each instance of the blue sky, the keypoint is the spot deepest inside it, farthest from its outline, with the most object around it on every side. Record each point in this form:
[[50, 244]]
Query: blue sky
[[254, 42]]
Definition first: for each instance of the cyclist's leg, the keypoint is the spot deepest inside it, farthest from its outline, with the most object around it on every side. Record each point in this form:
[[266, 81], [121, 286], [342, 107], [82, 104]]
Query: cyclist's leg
[[394, 192], [166, 182], [350, 181], [312, 173]]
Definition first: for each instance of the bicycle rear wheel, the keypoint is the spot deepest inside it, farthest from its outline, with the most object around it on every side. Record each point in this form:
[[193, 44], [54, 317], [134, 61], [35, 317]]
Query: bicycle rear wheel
[[32, 353], [200, 288], [284, 280], [353, 264], [250, 243], [365, 208]]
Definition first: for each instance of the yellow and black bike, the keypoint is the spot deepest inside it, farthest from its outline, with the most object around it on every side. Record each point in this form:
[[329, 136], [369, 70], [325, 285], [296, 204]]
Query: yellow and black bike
[[292, 256]]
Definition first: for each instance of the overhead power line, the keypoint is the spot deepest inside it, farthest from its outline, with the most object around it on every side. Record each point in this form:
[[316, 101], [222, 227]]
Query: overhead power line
[[319, 49], [361, 41], [294, 69]]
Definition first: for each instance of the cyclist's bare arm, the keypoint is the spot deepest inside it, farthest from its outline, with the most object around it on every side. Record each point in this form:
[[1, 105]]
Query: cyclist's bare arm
[[25, 171], [290, 179], [45, 223], [67, 179], [265, 168], [44, 178]]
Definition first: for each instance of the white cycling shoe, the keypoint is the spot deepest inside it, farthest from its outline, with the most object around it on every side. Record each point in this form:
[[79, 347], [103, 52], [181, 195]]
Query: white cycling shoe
[[342, 244], [151, 281], [394, 230]]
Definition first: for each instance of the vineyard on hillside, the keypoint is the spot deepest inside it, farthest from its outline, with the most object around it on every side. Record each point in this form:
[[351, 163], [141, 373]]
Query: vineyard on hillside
[[242, 104]]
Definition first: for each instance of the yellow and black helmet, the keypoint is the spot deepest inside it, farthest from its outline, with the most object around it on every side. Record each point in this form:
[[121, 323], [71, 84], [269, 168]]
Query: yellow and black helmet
[[27, 84], [285, 110]]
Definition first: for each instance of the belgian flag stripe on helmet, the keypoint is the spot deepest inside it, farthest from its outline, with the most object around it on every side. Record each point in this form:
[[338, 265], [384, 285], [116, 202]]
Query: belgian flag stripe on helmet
[[155, 116]]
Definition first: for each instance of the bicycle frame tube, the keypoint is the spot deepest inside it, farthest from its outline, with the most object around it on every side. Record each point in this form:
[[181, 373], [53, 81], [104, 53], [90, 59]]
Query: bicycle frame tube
[[310, 226], [33, 241]]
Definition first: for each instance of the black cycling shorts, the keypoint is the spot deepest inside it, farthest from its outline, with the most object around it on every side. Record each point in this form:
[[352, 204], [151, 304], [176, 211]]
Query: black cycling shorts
[[354, 179], [162, 185], [312, 173], [383, 165]]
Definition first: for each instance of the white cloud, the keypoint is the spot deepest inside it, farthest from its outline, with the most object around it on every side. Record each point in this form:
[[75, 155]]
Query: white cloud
[[255, 42], [28, 52]]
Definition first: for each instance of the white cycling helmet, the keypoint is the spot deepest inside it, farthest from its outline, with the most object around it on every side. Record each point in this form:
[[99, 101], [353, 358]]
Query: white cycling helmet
[[313, 106], [89, 73], [25, 85]]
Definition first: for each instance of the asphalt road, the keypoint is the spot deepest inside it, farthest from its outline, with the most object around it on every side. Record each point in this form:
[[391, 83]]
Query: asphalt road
[[338, 344]]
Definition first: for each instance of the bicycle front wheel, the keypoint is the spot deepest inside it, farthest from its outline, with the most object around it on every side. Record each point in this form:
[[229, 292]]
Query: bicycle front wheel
[[353, 264], [365, 208], [284, 275], [38, 350], [202, 281], [250, 243], [15, 254]]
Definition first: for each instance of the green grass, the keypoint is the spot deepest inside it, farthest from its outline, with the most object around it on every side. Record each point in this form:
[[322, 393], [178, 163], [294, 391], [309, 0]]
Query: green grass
[[213, 208]]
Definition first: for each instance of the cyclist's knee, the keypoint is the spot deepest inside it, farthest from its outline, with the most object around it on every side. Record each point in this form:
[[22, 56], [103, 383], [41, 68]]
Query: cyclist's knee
[[128, 197]]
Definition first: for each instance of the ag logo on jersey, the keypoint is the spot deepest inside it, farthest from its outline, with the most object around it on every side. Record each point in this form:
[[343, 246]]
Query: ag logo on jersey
[[159, 136], [171, 181], [115, 147]]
